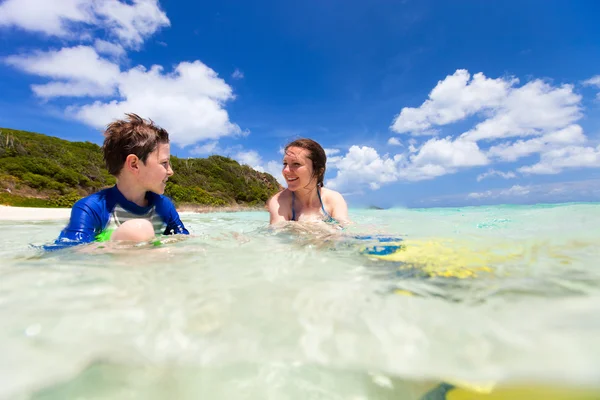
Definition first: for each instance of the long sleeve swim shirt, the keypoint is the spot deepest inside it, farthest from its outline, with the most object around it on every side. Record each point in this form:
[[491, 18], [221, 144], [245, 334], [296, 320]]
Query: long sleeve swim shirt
[[95, 217]]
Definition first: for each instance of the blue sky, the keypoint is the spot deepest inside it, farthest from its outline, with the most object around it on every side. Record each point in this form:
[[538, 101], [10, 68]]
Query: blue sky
[[418, 103]]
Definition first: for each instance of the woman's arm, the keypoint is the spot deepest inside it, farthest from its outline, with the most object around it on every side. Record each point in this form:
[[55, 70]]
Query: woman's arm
[[339, 207], [277, 212]]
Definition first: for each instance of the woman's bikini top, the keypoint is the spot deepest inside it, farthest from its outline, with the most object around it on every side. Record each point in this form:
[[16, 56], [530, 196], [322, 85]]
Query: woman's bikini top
[[328, 218]]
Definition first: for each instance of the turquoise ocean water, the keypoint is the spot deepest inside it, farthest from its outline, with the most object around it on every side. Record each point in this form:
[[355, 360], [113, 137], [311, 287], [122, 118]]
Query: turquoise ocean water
[[242, 311]]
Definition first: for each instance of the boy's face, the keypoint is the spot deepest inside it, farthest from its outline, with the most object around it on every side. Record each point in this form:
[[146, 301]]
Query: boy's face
[[155, 172]]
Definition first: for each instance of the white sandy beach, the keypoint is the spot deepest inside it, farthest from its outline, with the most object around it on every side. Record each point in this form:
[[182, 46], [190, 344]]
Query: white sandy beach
[[33, 214]]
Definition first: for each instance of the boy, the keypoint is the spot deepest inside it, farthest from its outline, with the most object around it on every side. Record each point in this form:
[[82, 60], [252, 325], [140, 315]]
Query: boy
[[137, 153]]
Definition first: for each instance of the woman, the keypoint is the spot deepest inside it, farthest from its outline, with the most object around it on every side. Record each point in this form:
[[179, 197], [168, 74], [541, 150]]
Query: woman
[[305, 198]]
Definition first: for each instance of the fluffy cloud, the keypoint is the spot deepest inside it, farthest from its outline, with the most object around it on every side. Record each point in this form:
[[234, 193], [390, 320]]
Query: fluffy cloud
[[131, 23], [513, 191], [588, 190], [511, 151], [363, 165], [521, 121], [449, 153], [516, 190], [542, 117], [188, 102], [108, 48], [77, 71], [535, 108], [128, 22], [493, 172], [480, 195], [593, 81], [206, 148], [237, 74], [248, 157], [394, 142], [555, 160], [453, 99]]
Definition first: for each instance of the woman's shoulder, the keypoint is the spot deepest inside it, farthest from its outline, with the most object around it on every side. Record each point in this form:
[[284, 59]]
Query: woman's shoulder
[[331, 194], [279, 197]]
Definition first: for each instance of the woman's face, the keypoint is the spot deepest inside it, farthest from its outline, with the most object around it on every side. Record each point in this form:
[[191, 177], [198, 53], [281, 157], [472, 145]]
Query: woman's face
[[298, 169]]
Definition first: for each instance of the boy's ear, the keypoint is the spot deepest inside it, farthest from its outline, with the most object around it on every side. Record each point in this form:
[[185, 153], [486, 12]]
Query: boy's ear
[[132, 163]]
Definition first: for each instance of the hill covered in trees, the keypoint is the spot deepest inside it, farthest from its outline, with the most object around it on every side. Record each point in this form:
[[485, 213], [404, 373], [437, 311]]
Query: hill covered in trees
[[43, 171]]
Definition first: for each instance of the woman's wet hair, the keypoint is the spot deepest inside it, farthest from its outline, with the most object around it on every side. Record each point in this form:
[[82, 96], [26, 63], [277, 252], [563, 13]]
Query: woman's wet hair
[[316, 154]]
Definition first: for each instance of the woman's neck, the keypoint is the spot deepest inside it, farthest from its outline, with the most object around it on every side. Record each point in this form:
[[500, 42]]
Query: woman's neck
[[307, 197]]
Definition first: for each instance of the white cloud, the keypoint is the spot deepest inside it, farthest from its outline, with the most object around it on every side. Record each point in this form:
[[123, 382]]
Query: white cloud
[[480, 195], [49, 17], [555, 160], [512, 192], [535, 108], [331, 152], [437, 157], [453, 99], [394, 142], [515, 190], [493, 172], [547, 112], [566, 191], [207, 148], [363, 165], [508, 151], [130, 22], [188, 101], [108, 48], [593, 81], [237, 74], [248, 157], [82, 71], [450, 153]]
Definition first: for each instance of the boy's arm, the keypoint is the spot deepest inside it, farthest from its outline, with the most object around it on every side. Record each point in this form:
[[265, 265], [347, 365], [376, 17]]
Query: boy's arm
[[174, 224], [80, 229]]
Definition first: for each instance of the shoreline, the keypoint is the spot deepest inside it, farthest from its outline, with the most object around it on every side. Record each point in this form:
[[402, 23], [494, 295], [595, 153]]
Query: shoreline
[[199, 209], [10, 213]]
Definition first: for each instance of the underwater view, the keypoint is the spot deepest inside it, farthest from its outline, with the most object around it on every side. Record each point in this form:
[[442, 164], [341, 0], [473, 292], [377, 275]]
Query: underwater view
[[498, 302]]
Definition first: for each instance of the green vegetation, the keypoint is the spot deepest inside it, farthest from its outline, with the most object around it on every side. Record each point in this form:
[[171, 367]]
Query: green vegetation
[[42, 171]]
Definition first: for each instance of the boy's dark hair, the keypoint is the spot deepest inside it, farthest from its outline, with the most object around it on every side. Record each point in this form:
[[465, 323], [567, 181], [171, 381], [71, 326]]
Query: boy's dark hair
[[316, 154], [133, 135]]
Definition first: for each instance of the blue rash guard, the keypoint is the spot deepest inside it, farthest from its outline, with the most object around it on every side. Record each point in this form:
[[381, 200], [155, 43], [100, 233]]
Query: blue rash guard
[[95, 217]]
